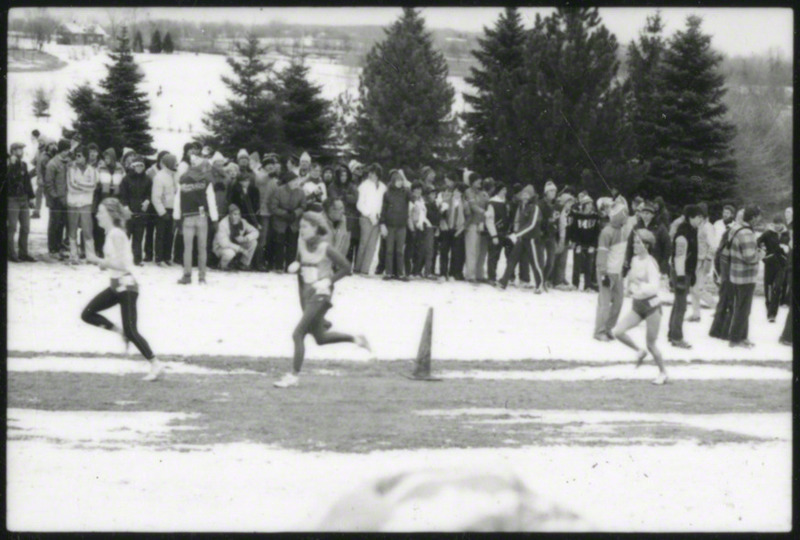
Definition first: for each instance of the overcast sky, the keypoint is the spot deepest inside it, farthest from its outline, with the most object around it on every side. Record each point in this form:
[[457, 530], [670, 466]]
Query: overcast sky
[[735, 31]]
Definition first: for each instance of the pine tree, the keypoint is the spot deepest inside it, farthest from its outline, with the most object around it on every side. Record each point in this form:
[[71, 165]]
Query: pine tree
[[406, 100], [644, 61], [155, 42], [251, 119], [138, 44], [307, 120], [122, 98], [41, 103], [167, 45], [571, 107], [492, 123], [94, 122], [693, 158]]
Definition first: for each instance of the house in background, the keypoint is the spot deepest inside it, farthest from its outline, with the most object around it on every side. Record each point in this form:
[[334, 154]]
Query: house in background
[[76, 34]]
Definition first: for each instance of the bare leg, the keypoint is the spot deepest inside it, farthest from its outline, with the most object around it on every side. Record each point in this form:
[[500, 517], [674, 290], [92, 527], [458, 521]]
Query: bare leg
[[653, 324], [629, 321]]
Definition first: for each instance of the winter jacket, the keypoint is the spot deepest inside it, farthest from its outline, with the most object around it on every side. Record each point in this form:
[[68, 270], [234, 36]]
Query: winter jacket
[[108, 180], [433, 214], [476, 202], [689, 233], [497, 217], [267, 185], [164, 187], [744, 256], [195, 194], [348, 193], [19, 181], [394, 211], [80, 186], [418, 215], [250, 202], [55, 178], [134, 191], [584, 229], [611, 246], [770, 240], [228, 235], [42, 159], [286, 207], [528, 221], [660, 252], [371, 198], [549, 228]]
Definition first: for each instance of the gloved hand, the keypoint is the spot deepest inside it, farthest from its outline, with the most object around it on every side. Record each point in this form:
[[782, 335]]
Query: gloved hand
[[293, 268], [605, 281]]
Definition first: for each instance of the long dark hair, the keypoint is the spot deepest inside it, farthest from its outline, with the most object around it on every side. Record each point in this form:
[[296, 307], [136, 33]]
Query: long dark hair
[[338, 171]]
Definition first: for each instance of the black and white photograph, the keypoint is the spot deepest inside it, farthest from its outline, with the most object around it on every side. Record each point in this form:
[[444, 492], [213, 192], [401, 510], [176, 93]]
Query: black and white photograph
[[399, 269]]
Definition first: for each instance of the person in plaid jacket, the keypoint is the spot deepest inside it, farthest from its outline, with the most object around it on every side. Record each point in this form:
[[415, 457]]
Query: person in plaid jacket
[[745, 257]]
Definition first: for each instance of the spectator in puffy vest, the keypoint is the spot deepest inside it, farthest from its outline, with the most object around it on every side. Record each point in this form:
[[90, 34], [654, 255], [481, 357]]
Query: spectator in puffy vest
[[683, 269], [194, 204], [235, 241], [20, 199]]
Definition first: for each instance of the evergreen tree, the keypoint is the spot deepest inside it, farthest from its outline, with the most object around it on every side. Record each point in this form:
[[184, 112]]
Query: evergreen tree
[[155, 42], [492, 123], [644, 61], [571, 108], [251, 119], [406, 100], [167, 45], [121, 97], [307, 120], [138, 44], [41, 103], [94, 122], [693, 159]]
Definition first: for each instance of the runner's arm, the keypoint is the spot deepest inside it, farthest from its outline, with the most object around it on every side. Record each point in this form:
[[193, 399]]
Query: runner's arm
[[340, 262]]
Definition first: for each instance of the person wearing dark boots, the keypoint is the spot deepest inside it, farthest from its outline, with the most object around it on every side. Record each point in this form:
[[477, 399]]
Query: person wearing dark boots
[[135, 192], [774, 265], [745, 257], [684, 266]]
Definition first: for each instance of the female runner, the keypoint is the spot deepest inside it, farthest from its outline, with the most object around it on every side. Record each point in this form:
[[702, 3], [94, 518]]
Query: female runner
[[316, 263], [111, 216], [643, 283]]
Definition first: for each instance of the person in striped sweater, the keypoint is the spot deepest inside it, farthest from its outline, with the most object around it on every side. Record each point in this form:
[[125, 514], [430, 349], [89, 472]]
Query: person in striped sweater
[[745, 257]]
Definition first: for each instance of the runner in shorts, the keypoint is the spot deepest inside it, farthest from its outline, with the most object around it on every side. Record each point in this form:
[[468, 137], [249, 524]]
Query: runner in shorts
[[643, 284], [316, 260]]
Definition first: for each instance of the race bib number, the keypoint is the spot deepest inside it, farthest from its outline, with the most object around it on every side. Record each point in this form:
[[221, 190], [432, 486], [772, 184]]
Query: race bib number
[[309, 273]]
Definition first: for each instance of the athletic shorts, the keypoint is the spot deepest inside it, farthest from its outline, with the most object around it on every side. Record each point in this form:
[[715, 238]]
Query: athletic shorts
[[644, 307]]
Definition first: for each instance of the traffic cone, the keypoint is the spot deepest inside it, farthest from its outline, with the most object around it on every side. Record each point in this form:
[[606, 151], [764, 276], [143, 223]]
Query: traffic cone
[[422, 368]]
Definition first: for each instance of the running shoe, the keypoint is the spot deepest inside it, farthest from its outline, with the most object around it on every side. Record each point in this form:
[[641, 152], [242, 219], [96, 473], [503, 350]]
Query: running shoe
[[661, 379], [362, 342], [290, 379], [681, 344], [156, 369], [185, 280]]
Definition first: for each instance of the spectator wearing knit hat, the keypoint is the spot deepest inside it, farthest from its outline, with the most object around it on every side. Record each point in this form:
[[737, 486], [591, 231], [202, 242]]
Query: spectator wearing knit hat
[[20, 197], [135, 192]]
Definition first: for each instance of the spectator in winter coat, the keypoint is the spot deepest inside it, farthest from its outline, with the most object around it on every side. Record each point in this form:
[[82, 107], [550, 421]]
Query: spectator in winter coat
[[267, 184], [683, 272], [774, 246], [584, 233], [745, 257], [222, 186], [417, 223], [342, 187], [723, 315], [135, 192], [194, 204], [47, 150], [81, 184], [476, 201], [550, 228], [235, 240], [393, 222], [244, 193], [370, 201], [497, 224], [706, 249], [285, 208], [337, 224], [20, 198], [526, 227], [610, 258], [163, 197], [109, 178], [661, 250], [55, 187]]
